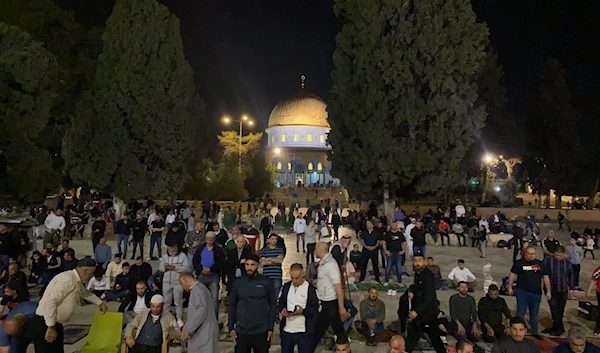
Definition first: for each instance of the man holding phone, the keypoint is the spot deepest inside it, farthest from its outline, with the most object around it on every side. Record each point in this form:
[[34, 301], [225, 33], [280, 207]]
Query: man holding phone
[[298, 305]]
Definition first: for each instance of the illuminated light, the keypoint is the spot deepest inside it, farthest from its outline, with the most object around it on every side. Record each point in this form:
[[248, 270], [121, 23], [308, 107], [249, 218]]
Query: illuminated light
[[488, 158], [497, 189], [245, 117], [278, 150], [251, 123], [226, 119]]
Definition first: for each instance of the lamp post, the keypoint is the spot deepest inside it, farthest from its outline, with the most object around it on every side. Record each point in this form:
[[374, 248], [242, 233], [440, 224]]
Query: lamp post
[[243, 120], [488, 160]]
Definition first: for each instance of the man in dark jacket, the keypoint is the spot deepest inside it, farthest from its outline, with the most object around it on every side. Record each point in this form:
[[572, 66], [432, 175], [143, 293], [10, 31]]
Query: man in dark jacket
[[236, 259], [208, 263], [298, 310], [418, 237], [139, 228], [336, 222], [266, 225], [490, 310], [424, 311], [252, 310], [140, 270]]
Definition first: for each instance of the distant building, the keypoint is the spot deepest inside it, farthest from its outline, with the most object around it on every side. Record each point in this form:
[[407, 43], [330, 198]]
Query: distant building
[[297, 145]]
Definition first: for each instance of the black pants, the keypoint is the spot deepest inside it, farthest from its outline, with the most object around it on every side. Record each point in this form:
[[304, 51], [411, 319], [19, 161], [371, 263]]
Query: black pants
[[137, 243], [310, 252], [336, 230], [34, 331], [498, 333], [557, 309], [328, 316], [374, 257], [576, 271], [586, 251], [516, 249], [265, 237], [444, 234], [142, 348], [458, 237], [416, 331], [256, 343]]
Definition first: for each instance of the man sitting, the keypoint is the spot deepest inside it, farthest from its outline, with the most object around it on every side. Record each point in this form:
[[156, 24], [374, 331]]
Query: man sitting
[[462, 274], [463, 314], [122, 285], [12, 327], [99, 284], [439, 282], [136, 302], [114, 268], [490, 310], [153, 328], [69, 262], [12, 296], [18, 277], [516, 341], [372, 314], [576, 343]]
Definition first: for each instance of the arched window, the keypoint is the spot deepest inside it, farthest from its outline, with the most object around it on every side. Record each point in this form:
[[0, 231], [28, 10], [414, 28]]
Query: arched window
[[279, 166], [296, 137], [322, 139], [289, 166], [308, 137], [319, 166], [310, 166], [282, 137]]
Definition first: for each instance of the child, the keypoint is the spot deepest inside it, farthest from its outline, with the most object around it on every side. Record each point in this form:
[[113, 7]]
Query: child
[[589, 246], [37, 267]]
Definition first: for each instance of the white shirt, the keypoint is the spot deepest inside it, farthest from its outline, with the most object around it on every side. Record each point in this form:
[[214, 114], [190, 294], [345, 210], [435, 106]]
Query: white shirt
[[170, 218], [460, 210], [325, 236], [151, 218], [102, 284], [299, 225], [140, 304], [461, 275], [61, 296], [327, 277], [54, 222], [113, 269], [589, 244], [297, 296]]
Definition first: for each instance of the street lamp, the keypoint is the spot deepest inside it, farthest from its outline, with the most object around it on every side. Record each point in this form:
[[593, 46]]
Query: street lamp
[[277, 150], [244, 119]]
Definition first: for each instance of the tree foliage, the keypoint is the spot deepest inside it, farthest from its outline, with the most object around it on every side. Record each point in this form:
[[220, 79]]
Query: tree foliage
[[230, 141], [134, 129], [402, 111], [28, 78], [551, 158]]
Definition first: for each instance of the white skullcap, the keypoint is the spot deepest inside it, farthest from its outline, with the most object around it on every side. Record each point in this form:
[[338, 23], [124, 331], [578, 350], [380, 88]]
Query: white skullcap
[[157, 299]]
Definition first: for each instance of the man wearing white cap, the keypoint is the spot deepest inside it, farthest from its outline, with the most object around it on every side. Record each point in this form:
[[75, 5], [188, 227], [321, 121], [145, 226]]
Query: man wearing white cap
[[153, 326]]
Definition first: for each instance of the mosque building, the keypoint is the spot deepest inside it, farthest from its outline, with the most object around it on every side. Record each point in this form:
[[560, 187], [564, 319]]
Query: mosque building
[[297, 146]]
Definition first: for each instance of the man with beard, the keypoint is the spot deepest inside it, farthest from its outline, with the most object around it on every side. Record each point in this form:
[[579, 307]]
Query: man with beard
[[424, 311], [490, 310], [515, 341], [252, 310]]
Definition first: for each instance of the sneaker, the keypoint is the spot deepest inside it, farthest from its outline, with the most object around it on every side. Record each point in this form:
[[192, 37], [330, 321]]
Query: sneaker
[[180, 323], [386, 284]]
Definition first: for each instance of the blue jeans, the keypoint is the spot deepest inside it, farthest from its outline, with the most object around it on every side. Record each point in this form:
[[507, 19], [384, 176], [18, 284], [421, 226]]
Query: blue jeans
[[395, 261], [158, 242], [277, 286], [377, 330], [353, 311], [419, 248], [122, 238], [527, 300], [212, 283], [289, 340], [190, 258]]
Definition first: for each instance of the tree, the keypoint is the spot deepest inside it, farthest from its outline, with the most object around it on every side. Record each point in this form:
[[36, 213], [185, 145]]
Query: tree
[[230, 140], [134, 129], [551, 159], [402, 109], [27, 90]]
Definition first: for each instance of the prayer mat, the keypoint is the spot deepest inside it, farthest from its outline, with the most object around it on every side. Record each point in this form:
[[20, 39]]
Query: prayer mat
[[74, 333], [380, 287], [105, 333]]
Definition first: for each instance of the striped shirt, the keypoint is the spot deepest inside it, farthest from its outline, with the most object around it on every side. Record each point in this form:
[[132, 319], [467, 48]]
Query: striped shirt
[[272, 271], [560, 273]]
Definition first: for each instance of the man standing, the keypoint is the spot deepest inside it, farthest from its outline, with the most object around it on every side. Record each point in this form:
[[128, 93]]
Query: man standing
[[156, 230], [550, 244], [299, 306], [370, 243], [57, 305], [236, 259], [331, 294], [193, 239], [173, 263], [394, 247], [201, 328], [560, 271], [336, 222], [299, 229], [266, 224], [251, 235], [418, 237], [139, 227], [424, 308], [529, 273], [271, 257], [515, 341], [252, 310], [123, 230], [490, 310], [575, 254], [519, 234], [208, 263], [463, 314]]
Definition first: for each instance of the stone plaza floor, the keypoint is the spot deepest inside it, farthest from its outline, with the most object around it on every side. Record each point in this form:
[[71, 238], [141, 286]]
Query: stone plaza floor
[[445, 257]]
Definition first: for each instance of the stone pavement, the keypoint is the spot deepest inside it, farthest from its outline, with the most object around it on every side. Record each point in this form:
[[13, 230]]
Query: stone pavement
[[445, 257]]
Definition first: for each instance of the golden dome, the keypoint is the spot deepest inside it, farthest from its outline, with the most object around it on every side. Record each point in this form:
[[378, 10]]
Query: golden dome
[[302, 109]]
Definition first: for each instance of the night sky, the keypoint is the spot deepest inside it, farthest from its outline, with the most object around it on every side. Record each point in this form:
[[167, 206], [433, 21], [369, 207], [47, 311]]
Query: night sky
[[249, 54]]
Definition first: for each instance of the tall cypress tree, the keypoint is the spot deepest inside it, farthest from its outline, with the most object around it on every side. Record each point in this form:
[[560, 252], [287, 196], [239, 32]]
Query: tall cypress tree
[[135, 128], [402, 109]]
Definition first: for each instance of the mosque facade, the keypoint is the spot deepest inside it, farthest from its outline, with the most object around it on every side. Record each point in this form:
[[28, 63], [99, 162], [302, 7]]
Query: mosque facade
[[297, 140]]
